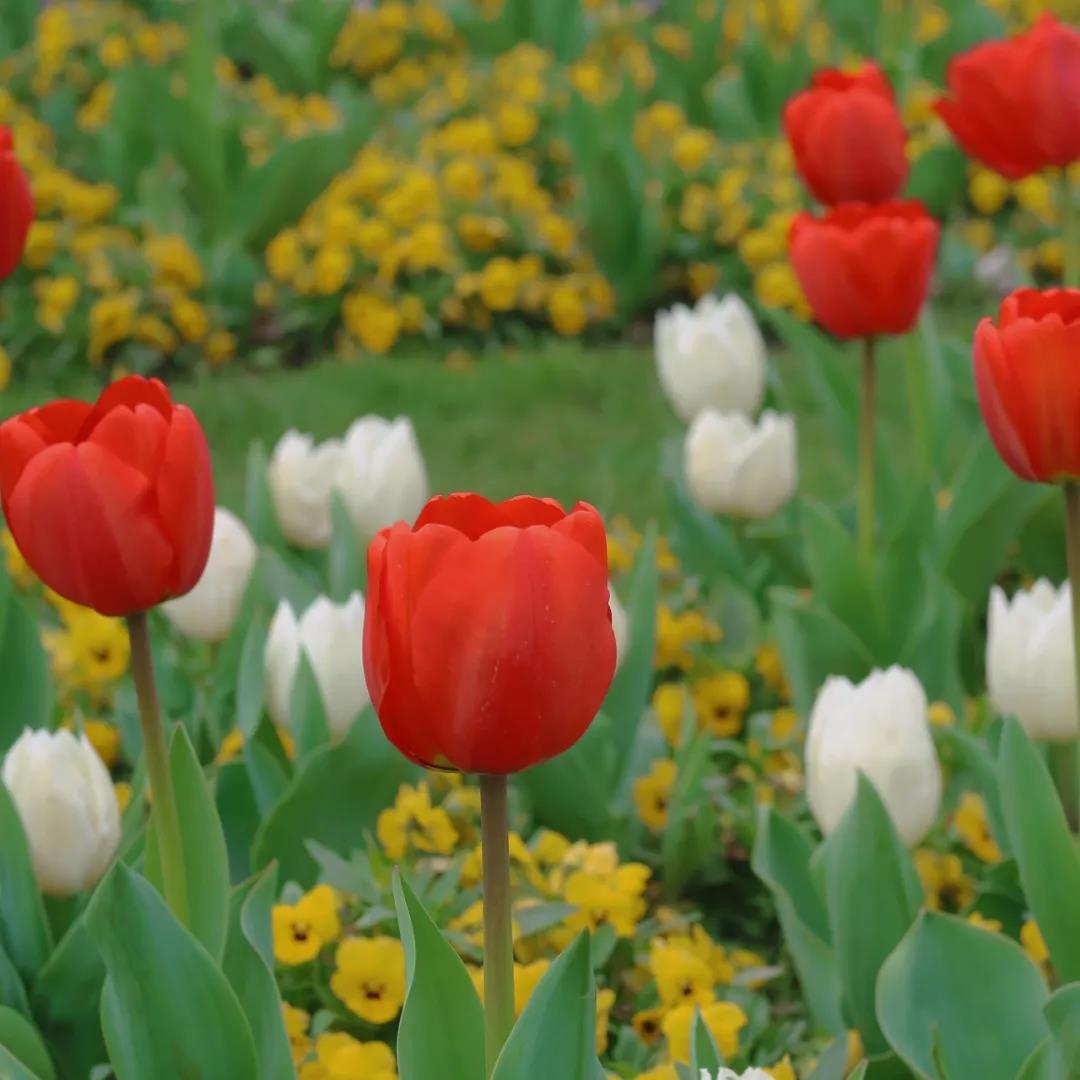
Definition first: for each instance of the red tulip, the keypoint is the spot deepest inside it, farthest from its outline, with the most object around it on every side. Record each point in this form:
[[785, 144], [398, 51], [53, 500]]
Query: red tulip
[[16, 207], [1015, 105], [865, 269], [1027, 374], [847, 137], [111, 504], [487, 641]]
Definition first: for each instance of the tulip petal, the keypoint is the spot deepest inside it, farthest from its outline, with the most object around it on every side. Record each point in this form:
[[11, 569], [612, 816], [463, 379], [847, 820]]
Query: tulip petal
[[473, 515]]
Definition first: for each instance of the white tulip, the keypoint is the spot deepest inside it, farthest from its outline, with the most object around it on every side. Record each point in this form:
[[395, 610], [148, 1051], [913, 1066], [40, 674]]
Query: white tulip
[[67, 806], [620, 625], [381, 474], [302, 476], [1029, 660], [733, 467], [711, 356], [331, 635], [208, 612], [879, 728]]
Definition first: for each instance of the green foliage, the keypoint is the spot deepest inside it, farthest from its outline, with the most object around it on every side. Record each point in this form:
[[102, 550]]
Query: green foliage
[[24, 928]]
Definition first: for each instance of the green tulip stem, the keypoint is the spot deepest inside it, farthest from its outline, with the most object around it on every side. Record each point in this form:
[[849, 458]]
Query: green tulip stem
[[163, 797], [1072, 544], [1070, 231], [867, 457], [498, 934]]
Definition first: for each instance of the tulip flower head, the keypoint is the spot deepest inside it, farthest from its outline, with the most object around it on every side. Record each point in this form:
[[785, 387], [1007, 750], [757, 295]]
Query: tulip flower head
[[1027, 375], [488, 643], [111, 504], [16, 207], [847, 137]]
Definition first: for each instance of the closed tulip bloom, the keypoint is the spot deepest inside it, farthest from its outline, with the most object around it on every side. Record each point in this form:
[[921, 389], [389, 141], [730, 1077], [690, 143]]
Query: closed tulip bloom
[[865, 270], [67, 806], [302, 476], [1027, 375], [847, 137], [711, 355], [330, 636], [381, 475], [208, 612], [488, 644], [878, 727], [16, 207], [111, 504], [1029, 660], [1015, 105], [735, 467]]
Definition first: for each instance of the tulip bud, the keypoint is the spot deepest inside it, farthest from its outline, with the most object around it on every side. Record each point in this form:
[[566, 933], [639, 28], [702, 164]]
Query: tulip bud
[[208, 612], [381, 475], [1029, 660], [67, 806], [620, 625], [330, 635], [301, 477], [711, 356], [880, 728], [733, 467]]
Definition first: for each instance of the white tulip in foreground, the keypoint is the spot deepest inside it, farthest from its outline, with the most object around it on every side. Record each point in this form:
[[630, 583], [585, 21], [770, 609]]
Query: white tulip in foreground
[[735, 467], [301, 477], [330, 634], [208, 612], [710, 356], [620, 625], [381, 474], [880, 728], [67, 806], [1029, 659]]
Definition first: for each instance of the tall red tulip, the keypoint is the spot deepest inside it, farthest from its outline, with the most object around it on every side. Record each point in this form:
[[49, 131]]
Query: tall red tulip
[[16, 207], [1015, 105], [487, 641], [847, 137], [865, 269], [1027, 374], [111, 504]]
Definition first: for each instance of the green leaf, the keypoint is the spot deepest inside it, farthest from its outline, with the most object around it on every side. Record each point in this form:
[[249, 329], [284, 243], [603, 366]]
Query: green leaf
[[334, 798], [206, 859], [12, 988], [167, 1010], [307, 714], [1043, 846], [23, 1040], [689, 835], [249, 966], [24, 927], [259, 513], [564, 1002], [441, 1031], [832, 1064], [705, 1056], [872, 894], [251, 678], [11, 1068], [1062, 1013], [781, 859], [27, 700], [960, 999], [347, 564]]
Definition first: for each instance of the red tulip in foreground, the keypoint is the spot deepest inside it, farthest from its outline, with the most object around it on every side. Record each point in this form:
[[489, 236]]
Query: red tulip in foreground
[[847, 137], [488, 644], [1015, 105], [111, 504], [16, 207], [865, 269]]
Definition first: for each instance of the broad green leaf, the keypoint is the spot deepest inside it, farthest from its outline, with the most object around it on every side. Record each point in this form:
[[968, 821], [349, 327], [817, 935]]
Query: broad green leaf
[[251, 677], [346, 559], [441, 1031], [27, 699], [832, 1065], [1062, 1013], [20, 1038], [240, 817], [24, 927], [12, 988], [1043, 846], [872, 894], [259, 511], [249, 966], [11, 1068], [953, 996], [307, 714], [705, 1056], [563, 1002], [167, 1010], [334, 798], [781, 859]]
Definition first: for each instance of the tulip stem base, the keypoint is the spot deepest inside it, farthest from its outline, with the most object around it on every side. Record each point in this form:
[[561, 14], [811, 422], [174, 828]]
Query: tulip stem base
[[865, 508], [1072, 549], [166, 818], [1070, 231], [498, 934]]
